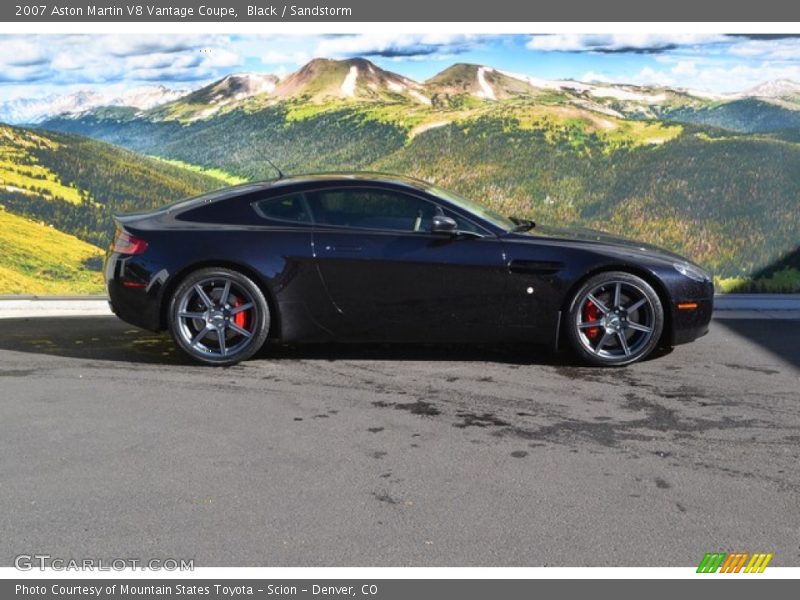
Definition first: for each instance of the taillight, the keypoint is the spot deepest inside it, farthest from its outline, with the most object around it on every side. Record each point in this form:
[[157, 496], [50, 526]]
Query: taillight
[[125, 243]]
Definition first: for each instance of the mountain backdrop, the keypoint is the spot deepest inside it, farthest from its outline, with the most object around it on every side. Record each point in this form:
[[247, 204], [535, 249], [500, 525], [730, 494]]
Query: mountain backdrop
[[58, 193], [716, 177]]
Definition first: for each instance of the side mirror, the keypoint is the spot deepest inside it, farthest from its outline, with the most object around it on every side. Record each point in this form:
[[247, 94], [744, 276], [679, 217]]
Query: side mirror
[[443, 224]]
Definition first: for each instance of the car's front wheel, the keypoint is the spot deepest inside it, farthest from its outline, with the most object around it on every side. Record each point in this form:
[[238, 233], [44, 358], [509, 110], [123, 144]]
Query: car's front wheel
[[219, 316], [615, 319]]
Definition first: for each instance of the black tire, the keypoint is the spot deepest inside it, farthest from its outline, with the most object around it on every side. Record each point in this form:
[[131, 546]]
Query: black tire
[[607, 333], [215, 329]]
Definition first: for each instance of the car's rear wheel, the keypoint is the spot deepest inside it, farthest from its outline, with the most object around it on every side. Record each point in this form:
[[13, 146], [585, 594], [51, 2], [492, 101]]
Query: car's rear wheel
[[615, 319], [219, 316]]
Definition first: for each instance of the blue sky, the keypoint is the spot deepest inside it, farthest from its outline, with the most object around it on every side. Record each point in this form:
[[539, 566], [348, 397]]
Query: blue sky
[[32, 66]]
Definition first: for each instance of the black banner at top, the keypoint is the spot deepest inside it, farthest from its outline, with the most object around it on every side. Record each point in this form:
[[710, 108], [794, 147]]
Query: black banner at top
[[393, 11]]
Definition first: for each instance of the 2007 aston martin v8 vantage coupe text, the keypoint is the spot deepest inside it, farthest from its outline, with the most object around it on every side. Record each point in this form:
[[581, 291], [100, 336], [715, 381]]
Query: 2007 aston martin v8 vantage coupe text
[[374, 257]]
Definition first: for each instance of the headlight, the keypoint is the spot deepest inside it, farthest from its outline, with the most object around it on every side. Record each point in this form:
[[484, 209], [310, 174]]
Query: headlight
[[692, 272]]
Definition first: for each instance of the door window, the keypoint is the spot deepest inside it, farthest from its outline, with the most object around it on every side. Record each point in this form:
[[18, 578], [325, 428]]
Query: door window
[[366, 208]]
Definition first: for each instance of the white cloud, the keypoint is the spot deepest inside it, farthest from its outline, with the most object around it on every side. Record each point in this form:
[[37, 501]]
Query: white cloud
[[74, 59], [128, 45], [777, 50], [717, 78], [398, 45], [66, 61], [685, 68], [735, 65], [23, 74], [709, 62], [22, 53], [158, 61], [218, 58], [278, 57], [594, 76], [643, 43]]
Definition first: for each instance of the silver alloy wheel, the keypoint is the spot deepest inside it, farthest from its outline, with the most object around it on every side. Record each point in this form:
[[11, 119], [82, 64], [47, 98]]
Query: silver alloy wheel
[[616, 321], [217, 317]]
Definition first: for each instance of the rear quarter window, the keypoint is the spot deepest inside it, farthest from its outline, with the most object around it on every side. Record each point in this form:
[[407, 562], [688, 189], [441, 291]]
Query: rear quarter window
[[230, 211], [291, 208]]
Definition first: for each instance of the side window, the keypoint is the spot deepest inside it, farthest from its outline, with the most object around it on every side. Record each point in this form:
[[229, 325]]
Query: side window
[[292, 208], [367, 208]]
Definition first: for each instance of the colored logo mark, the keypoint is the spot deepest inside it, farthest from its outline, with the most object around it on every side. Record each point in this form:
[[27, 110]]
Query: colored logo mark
[[735, 562]]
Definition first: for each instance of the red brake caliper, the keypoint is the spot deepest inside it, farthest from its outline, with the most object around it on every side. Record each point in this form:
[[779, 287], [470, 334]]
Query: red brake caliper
[[240, 318], [591, 313]]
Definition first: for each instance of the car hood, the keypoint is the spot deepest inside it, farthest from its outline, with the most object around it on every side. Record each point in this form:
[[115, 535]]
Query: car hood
[[600, 238]]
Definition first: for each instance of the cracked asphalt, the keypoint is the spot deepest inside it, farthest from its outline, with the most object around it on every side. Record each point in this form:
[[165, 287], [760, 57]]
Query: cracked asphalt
[[112, 446]]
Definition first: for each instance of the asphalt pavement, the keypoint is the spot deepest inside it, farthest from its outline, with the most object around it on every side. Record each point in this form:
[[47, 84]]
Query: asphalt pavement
[[113, 446]]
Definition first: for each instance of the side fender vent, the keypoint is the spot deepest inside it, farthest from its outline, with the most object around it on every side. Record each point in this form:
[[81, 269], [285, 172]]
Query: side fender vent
[[535, 267]]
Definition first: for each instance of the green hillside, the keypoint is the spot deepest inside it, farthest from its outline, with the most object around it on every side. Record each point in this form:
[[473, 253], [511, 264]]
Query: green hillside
[[729, 201], [731, 204], [671, 168], [38, 259], [238, 142], [75, 185], [746, 116]]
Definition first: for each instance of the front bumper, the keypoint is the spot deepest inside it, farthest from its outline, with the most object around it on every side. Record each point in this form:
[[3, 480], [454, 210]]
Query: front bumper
[[691, 313]]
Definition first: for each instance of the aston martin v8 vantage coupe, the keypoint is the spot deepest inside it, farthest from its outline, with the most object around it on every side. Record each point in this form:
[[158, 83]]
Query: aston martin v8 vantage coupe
[[374, 257]]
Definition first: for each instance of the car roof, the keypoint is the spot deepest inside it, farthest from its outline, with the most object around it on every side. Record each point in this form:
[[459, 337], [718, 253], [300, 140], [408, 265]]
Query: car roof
[[287, 181], [339, 176], [256, 186]]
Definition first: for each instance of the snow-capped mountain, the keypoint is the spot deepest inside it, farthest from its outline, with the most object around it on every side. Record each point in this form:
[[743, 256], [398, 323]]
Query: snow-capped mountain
[[147, 97], [35, 110], [779, 88], [237, 86], [479, 81], [358, 79], [355, 78], [225, 93]]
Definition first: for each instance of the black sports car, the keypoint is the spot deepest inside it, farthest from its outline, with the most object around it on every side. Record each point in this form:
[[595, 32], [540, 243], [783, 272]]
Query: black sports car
[[373, 257]]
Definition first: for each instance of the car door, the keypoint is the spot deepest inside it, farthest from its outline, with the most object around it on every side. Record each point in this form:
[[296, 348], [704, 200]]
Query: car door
[[282, 251], [390, 278]]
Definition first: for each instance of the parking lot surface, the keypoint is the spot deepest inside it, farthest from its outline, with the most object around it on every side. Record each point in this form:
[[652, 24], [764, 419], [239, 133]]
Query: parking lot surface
[[113, 446]]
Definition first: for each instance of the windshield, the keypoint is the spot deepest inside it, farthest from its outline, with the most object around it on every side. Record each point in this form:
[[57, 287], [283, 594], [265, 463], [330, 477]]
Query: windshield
[[473, 207]]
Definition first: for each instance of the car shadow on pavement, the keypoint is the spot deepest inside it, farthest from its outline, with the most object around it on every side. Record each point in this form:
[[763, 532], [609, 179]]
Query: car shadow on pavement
[[90, 338], [764, 332], [108, 338]]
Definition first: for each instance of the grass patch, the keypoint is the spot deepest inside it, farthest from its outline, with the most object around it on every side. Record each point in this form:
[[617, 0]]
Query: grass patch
[[785, 281], [221, 175], [21, 171], [38, 259]]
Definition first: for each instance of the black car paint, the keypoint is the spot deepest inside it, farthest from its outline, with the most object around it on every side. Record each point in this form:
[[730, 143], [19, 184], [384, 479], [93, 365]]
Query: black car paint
[[327, 282]]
